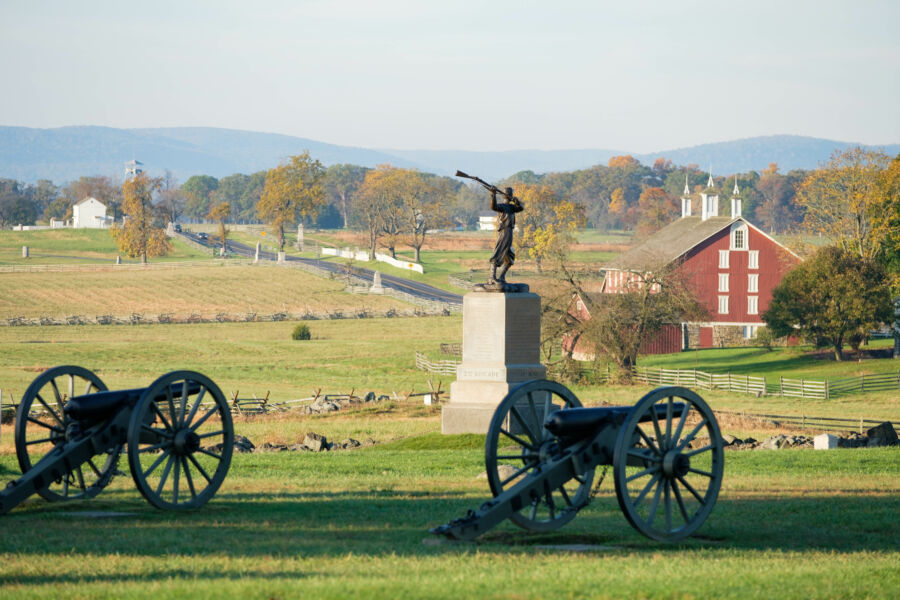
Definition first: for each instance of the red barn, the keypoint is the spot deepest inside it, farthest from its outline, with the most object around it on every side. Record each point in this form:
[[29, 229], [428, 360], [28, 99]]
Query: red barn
[[731, 265]]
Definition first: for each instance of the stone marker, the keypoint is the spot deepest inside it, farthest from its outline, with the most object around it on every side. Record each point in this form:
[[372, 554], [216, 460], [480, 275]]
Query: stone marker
[[281, 258], [24, 251], [825, 441], [300, 236], [256, 257], [376, 288], [501, 348], [118, 260]]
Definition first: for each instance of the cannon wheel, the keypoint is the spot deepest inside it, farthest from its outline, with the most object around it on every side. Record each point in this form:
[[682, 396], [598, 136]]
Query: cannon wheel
[[517, 441], [179, 449], [41, 425], [674, 490]]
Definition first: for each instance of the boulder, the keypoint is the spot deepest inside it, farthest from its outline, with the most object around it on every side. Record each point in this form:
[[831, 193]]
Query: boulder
[[730, 440], [242, 444], [775, 442], [315, 442], [882, 435]]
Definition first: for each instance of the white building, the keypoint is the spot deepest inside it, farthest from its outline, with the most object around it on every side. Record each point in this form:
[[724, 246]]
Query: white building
[[90, 213], [487, 220]]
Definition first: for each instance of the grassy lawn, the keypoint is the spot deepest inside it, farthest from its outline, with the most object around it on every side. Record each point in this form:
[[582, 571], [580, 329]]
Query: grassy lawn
[[71, 246], [791, 524], [795, 362]]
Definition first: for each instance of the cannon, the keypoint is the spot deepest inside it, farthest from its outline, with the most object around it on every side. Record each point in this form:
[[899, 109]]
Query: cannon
[[70, 431], [543, 447]]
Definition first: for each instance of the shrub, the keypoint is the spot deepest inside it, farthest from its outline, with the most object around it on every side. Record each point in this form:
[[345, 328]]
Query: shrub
[[301, 332]]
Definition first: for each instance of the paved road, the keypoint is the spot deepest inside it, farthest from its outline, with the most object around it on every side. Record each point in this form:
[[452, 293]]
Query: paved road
[[414, 288]]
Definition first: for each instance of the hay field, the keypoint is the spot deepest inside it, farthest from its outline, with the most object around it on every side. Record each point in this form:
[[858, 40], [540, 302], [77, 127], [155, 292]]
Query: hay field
[[179, 290]]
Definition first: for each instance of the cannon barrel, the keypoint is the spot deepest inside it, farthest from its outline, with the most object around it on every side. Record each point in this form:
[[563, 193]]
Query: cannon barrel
[[579, 423], [101, 405]]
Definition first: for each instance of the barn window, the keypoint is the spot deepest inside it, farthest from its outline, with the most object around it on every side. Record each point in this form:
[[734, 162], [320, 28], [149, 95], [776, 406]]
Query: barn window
[[752, 305], [723, 305], [753, 259], [749, 332], [739, 236], [723, 259], [753, 282], [723, 282]]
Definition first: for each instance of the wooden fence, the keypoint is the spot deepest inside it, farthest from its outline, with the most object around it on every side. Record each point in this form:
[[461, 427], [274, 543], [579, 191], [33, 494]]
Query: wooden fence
[[749, 384], [445, 367]]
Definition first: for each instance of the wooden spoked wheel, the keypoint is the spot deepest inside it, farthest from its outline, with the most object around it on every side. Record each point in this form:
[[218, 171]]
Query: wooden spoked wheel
[[517, 443], [41, 424], [180, 441], [674, 490]]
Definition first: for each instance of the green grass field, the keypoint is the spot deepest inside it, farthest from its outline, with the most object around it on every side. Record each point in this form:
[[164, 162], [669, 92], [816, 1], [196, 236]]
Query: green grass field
[[72, 246], [788, 523], [791, 524]]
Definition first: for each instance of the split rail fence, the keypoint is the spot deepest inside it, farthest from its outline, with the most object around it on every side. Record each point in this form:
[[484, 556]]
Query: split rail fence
[[785, 386]]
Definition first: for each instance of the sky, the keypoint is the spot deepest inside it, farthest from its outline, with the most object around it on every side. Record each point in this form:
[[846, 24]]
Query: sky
[[458, 74]]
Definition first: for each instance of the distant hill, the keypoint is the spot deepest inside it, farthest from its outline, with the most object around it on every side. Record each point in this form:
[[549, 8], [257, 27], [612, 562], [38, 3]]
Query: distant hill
[[66, 153]]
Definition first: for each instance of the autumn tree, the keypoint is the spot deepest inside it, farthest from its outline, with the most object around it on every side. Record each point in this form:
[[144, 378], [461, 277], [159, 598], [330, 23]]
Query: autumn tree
[[293, 191], [846, 202], [220, 213], [140, 235], [548, 225], [656, 209], [830, 298], [380, 204]]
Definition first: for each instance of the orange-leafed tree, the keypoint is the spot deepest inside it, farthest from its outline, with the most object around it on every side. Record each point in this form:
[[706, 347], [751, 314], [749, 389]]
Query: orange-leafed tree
[[293, 190], [656, 209], [140, 235]]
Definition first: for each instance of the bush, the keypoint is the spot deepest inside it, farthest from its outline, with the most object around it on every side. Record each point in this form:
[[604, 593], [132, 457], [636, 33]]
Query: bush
[[301, 332]]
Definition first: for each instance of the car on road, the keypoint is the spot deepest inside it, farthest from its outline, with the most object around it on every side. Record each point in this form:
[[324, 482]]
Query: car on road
[[203, 236], [177, 228]]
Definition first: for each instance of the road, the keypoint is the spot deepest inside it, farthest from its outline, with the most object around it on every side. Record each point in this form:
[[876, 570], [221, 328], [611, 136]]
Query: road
[[414, 288]]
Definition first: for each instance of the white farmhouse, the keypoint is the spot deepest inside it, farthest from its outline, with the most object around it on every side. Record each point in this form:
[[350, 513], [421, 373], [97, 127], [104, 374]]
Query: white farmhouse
[[90, 213]]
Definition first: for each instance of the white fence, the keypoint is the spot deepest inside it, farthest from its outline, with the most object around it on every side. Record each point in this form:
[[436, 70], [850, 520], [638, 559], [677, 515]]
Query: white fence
[[347, 253], [749, 384], [400, 264]]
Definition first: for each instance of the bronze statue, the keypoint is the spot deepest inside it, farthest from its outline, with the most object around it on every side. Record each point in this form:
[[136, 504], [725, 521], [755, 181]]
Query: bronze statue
[[504, 256]]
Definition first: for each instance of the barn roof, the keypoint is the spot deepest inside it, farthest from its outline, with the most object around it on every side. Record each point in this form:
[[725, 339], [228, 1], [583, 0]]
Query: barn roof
[[670, 242]]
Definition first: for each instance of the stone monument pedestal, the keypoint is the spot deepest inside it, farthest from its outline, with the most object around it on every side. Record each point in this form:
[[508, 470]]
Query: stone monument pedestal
[[501, 348]]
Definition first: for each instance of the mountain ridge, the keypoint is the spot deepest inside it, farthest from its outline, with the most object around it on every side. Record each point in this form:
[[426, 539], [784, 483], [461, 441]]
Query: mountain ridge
[[66, 153]]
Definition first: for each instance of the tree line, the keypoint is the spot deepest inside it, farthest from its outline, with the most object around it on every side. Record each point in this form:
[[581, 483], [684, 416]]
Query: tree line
[[622, 195]]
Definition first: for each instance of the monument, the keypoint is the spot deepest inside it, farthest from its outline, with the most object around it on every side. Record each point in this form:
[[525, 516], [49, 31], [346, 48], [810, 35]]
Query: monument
[[501, 333]]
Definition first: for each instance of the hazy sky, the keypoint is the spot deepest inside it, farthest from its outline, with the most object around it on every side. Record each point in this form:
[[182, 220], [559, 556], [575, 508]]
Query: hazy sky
[[458, 74]]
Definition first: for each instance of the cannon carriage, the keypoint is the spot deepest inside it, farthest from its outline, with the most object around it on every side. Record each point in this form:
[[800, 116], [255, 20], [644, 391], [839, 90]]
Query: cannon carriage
[[542, 449], [70, 432]]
